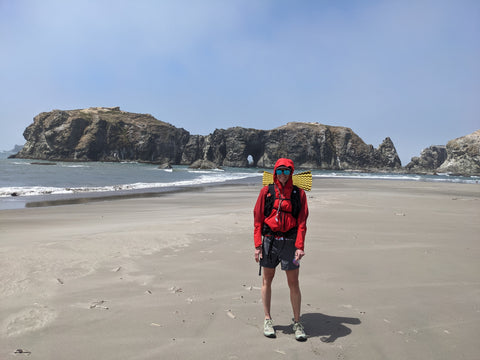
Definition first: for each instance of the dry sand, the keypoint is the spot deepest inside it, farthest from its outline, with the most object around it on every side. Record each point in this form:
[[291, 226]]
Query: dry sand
[[391, 272]]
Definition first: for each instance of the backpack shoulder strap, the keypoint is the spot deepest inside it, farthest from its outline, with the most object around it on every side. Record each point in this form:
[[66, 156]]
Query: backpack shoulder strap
[[269, 200], [296, 202]]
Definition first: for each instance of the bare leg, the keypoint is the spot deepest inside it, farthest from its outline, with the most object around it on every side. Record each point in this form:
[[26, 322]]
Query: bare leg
[[268, 275], [295, 294]]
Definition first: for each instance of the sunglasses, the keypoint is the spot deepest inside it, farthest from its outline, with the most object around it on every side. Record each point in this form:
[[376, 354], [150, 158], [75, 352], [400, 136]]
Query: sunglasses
[[283, 171]]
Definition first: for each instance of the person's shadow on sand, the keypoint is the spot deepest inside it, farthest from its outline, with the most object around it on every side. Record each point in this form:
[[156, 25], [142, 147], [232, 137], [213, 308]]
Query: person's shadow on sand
[[328, 328]]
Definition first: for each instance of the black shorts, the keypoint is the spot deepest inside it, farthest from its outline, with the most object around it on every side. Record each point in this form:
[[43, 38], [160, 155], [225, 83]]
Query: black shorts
[[282, 251]]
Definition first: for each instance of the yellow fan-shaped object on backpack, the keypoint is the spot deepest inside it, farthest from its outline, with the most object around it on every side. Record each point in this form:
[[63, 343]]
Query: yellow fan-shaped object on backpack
[[303, 180]]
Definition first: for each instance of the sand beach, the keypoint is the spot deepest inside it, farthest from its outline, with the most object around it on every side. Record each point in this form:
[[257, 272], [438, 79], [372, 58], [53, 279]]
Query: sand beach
[[391, 271]]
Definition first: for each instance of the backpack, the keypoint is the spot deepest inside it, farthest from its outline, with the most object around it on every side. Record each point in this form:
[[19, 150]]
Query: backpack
[[294, 198]]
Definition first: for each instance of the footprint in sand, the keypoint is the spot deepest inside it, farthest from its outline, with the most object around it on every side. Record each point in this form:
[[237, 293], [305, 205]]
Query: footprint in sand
[[29, 319]]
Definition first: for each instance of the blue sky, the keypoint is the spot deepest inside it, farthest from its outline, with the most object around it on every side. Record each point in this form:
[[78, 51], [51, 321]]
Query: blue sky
[[407, 69]]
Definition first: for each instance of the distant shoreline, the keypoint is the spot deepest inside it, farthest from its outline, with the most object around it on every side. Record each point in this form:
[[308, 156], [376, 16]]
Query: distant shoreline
[[89, 197]]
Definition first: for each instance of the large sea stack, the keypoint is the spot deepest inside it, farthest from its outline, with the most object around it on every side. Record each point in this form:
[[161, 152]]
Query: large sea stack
[[463, 155], [428, 161], [309, 145], [109, 134], [102, 134]]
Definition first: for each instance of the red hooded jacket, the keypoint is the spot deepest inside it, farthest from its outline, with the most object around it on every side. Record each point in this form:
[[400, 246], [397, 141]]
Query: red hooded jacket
[[285, 221]]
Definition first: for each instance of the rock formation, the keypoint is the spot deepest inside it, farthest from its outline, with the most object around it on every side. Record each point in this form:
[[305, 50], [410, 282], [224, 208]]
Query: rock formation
[[428, 162], [309, 145], [109, 134], [463, 155], [102, 134], [16, 149], [203, 165], [460, 156]]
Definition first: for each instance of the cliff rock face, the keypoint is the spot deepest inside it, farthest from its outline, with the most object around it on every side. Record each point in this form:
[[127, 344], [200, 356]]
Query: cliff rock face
[[428, 162], [463, 155], [102, 134], [309, 145], [460, 156], [109, 134]]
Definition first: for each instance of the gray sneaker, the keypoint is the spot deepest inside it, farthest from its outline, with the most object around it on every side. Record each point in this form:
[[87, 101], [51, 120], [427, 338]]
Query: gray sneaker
[[268, 329], [299, 331]]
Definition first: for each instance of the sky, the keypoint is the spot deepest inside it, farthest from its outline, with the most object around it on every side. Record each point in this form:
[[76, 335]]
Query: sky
[[404, 69]]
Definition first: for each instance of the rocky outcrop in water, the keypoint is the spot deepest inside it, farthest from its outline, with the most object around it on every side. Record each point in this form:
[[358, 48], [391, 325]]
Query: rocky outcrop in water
[[102, 134], [309, 145], [460, 156], [16, 149], [428, 161], [109, 134], [463, 155]]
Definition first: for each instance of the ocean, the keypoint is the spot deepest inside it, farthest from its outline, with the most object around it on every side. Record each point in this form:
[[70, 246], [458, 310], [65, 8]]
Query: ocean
[[25, 183]]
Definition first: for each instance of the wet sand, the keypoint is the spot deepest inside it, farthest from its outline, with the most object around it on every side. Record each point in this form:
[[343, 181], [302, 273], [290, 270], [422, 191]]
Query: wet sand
[[391, 272]]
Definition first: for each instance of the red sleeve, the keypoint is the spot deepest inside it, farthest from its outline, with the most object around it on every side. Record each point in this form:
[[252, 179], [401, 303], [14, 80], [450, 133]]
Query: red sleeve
[[258, 217], [302, 222]]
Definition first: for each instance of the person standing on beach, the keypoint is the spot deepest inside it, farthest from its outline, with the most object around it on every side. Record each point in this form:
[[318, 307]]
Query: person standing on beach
[[280, 217]]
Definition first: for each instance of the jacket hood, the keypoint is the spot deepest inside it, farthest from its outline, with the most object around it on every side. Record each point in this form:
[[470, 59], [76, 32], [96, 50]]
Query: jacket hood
[[283, 162]]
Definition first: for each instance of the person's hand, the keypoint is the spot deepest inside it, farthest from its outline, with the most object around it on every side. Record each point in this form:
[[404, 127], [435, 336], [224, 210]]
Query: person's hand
[[258, 254], [299, 254]]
